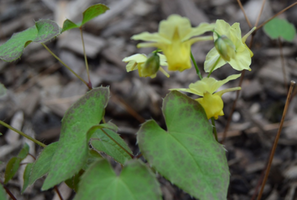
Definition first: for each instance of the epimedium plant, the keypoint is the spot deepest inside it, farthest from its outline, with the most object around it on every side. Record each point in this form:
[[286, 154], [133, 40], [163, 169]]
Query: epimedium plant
[[187, 154]]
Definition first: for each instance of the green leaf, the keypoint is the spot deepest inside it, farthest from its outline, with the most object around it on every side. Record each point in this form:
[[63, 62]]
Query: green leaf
[[74, 181], [280, 28], [14, 163], [72, 151], [26, 176], [187, 153], [89, 14], [93, 11], [109, 142], [24, 152], [12, 168], [135, 182], [3, 195], [13, 48], [42, 31], [47, 30], [40, 167], [68, 24], [2, 92]]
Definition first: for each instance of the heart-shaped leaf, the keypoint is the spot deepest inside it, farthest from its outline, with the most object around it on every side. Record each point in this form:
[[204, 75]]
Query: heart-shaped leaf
[[47, 30], [280, 28], [72, 150], [187, 153], [13, 48], [90, 13], [41, 32], [109, 142], [135, 182]]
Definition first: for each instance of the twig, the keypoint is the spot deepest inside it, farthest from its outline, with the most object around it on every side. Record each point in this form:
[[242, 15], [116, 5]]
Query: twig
[[245, 16], [22, 134], [232, 109], [276, 139], [283, 62], [85, 56], [8, 191], [260, 13], [66, 65], [290, 6], [58, 192]]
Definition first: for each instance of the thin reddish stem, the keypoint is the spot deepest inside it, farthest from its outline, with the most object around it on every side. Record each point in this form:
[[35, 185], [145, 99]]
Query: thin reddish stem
[[283, 62], [58, 192], [260, 13], [245, 16], [276, 139]]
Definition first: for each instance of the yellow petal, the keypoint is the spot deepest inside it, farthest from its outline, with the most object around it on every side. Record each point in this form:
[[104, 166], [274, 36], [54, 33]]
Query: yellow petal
[[211, 58], [212, 104]]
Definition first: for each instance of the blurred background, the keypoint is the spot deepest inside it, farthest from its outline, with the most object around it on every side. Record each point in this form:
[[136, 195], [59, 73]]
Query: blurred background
[[40, 89]]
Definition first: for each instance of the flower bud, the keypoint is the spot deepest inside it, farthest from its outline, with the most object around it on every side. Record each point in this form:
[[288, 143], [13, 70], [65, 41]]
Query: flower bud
[[151, 66], [225, 47]]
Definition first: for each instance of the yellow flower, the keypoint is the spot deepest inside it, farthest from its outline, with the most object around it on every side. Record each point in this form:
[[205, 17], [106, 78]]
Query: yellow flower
[[175, 39], [210, 100], [145, 69], [229, 48]]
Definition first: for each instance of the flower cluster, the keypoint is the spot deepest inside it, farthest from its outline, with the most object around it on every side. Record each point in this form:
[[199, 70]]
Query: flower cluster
[[174, 39]]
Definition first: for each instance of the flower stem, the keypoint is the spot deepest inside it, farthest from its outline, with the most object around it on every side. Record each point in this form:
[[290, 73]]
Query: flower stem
[[66, 65], [22, 134], [196, 66], [85, 56], [214, 66], [214, 128]]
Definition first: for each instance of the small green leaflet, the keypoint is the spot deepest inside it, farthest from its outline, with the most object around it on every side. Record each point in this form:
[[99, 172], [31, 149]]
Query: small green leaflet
[[41, 32], [109, 142], [88, 14], [187, 153], [280, 28], [14, 163], [72, 151], [40, 167], [136, 182]]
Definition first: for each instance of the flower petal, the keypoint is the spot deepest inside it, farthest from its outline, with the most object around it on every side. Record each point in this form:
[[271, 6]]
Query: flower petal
[[242, 60], [199, 30], [212, 104], [211, 58], [220, 93], [139, 58], [151, 37]]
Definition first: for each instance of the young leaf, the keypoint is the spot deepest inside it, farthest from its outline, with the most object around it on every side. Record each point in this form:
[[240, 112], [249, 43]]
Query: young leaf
[[14, 163], [72, 150], [93, 11], [3, 195], [26, 176], [187, 153], [88, 14], [13, 48], [40, 167], [11, 168], [68, 24], [136, 181], [47, 30], [280, 28], [109, 142]]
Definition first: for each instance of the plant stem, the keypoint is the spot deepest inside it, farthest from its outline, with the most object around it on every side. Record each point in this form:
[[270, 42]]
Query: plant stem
[[214, 66], [214, 128], [245, 16], [283, 62], [8, 192], [290, 6], [276, 139], [66, 65], [196, 66], [58, 192], [22, 134], [85, 55]]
